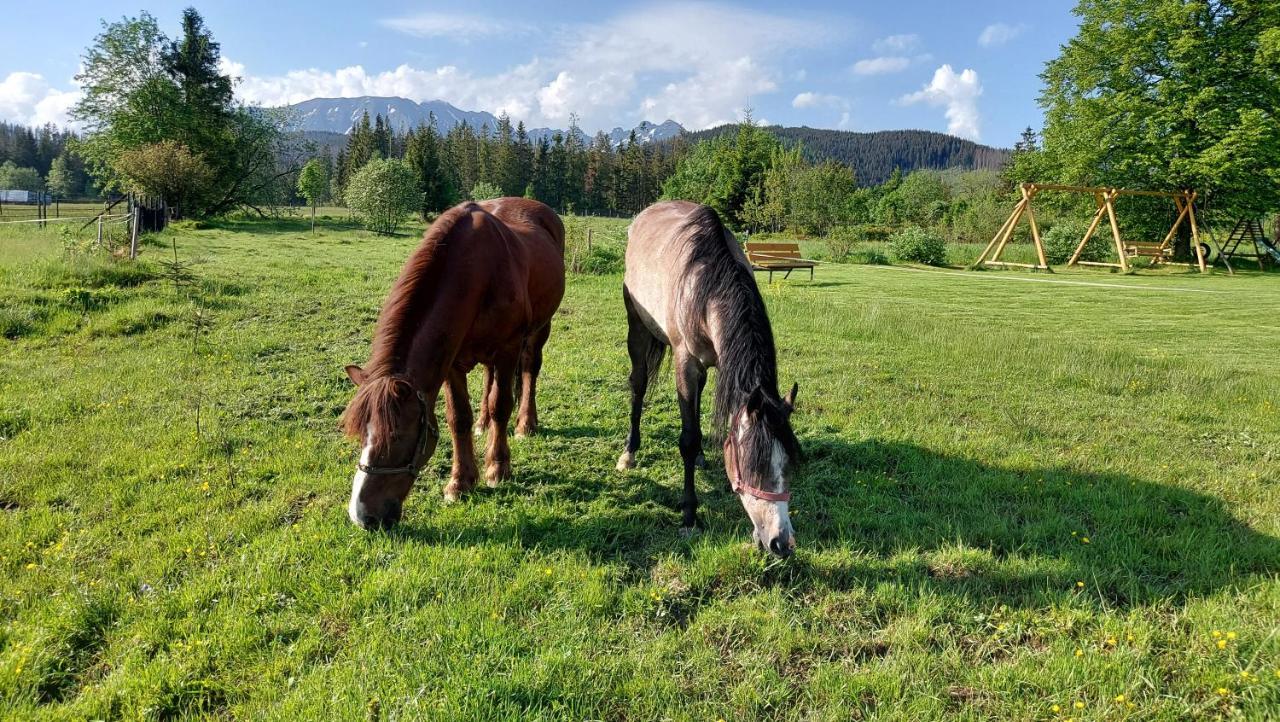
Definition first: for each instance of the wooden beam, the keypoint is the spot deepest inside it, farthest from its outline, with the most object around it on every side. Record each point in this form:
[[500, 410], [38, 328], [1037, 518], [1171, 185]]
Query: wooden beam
[[983, 257], [1011, 264], [1035, 228], [1115, 230], [1195, 232], [1093, 227], [1008, 231]]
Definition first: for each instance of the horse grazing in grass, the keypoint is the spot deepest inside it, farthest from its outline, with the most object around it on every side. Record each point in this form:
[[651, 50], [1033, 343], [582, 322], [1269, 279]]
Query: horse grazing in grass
[[689, 287], [480, 289]]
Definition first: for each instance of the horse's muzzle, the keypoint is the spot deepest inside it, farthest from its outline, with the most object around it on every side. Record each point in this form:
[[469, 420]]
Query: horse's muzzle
[[391, 510]]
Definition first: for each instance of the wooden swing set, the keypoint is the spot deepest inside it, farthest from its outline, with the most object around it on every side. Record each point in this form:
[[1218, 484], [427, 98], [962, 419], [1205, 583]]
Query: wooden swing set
[[1162, 252]]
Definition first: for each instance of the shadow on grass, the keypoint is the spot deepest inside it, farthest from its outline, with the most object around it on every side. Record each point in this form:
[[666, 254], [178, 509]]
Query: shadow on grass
[[903, 514]]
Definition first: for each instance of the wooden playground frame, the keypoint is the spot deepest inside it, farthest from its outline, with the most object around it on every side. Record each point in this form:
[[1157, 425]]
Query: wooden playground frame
[[1184, 202]]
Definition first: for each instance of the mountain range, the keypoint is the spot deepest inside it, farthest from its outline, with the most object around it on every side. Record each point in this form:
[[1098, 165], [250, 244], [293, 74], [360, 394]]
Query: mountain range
[[873, 156], [339, 115]]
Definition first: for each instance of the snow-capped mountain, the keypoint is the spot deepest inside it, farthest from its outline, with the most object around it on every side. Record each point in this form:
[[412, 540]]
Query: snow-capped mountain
[[647, 132], [339, 115]]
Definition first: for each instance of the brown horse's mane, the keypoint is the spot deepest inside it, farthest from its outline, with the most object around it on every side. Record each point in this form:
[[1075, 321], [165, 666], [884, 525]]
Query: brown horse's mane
[[375, 402]]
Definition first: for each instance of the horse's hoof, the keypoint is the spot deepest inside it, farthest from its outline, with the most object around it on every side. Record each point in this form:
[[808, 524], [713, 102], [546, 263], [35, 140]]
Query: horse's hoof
[[452, 494], [700, 462], [626, 461], [496, 473], [688, 532], [523, 433]]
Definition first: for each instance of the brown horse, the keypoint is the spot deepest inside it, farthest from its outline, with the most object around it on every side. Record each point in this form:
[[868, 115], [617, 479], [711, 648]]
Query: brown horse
[[688, 286], [480, 289]]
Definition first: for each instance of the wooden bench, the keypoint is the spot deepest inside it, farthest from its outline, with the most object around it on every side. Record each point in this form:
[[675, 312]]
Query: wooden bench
[[780, 257], [1157, 251]]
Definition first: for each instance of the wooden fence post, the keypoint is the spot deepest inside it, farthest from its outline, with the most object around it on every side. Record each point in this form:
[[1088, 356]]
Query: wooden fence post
[[99, 243], [133, 235]]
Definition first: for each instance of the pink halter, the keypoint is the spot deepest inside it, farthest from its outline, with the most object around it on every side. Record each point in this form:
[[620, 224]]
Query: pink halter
[[735, 476]]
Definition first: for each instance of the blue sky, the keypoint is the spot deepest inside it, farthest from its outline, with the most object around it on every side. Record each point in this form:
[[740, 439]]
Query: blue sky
[[967, 68]]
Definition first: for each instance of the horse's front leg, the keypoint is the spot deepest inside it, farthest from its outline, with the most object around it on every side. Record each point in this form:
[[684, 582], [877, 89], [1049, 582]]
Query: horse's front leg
[[458, 414], [501, 403], [690, 377]]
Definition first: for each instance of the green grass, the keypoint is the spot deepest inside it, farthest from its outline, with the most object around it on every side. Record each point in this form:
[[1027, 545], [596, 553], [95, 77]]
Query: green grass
[[1019, 494]]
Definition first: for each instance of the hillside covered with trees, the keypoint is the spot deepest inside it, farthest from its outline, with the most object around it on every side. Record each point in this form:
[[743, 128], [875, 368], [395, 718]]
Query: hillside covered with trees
[[875, 156]]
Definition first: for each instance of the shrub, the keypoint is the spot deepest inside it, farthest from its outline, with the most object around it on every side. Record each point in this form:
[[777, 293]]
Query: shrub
[[601, 261], [870, 257], [919, 245], [382, 194], [841, 241], [1061, 240], [484, 191]]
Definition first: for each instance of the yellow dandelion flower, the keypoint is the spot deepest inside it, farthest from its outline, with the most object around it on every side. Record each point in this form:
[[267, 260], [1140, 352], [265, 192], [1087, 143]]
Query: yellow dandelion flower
[[1244, 674], [1111, 641], [31, 565], [1129, 637], [1079, 704], [1079, 652], [547, 571], [1231, 635], [1129, 705], [1224, 691], [1056, 708], [1080, 585], [1119, 698], [1084, 540], [1222, 644], [1216, 633]]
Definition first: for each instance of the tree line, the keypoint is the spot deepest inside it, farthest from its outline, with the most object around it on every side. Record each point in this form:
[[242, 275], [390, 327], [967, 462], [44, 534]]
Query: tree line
[[566, 171]]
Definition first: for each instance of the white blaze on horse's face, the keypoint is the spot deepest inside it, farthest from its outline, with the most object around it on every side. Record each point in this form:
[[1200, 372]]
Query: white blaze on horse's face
[[771, 519], [357, 483]]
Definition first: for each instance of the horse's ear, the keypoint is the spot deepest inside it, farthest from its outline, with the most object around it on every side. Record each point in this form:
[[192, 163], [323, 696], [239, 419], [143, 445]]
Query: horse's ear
[[789, 401], [756, 401], [356, 374]]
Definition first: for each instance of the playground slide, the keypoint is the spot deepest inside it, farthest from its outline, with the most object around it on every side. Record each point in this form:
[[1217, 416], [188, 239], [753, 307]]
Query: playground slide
[[1271, 249]]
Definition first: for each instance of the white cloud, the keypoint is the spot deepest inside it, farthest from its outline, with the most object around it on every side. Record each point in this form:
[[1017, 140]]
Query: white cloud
[[714, 96], [27, 98], [959, 93], [709, 59], [999, 34], [897, 44], [809, 99], [448, 25], [881, 66]]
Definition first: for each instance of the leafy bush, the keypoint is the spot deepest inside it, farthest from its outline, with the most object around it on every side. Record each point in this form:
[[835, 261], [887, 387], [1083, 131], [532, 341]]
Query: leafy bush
[[484, 190], [601, 261], [841, 241], [382, 194], [1061, 240], [870, 257], [919, 245]]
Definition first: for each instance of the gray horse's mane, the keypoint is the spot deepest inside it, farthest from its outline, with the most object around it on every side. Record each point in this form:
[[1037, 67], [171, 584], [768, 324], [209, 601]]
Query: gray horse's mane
[[747, 358]]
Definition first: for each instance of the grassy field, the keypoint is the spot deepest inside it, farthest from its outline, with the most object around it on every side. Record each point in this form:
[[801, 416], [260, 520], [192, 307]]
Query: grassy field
[[1032, 497]]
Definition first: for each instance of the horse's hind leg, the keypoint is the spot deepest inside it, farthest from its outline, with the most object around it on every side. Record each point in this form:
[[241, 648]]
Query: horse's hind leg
[[458, 414], [501, 403], [486, 388], [530, 367], [690, 378], [646, 355]]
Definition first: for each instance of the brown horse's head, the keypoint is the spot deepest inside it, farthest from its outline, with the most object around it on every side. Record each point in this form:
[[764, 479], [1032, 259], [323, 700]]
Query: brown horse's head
[[759, 451], [397, 424]]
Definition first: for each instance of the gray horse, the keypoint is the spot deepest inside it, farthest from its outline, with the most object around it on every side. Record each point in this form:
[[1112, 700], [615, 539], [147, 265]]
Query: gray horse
[[689, 287]]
